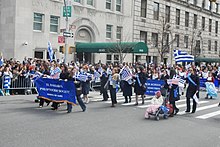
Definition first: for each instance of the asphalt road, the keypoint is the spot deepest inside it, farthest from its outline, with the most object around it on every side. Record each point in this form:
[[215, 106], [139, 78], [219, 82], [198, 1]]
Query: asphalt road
[[23, 124]]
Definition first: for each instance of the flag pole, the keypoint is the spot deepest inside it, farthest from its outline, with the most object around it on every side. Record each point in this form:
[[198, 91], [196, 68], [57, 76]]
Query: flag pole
[[66, 38]]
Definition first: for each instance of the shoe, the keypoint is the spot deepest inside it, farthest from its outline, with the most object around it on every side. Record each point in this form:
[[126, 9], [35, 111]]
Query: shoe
[[40, 106], [135, 104], [211, 97], [219, 105], [125, 102], [193, 111], [176, 111], [206, 97], [112, 105], [187, 111], [129, 100], [69, 111], [84, 110], [142, 103], [53, 109]]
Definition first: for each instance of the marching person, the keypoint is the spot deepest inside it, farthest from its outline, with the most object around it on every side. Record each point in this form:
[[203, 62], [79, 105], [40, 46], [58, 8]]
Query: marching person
[[46, 72], [86, 83], [210, 79], [7, 79], [174, 92], [73, 76], [113, 85], [192, 89], [139, 87], [104, 80]]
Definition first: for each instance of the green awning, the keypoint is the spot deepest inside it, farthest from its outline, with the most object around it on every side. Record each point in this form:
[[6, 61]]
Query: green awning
[[125, 47], [210, 60]]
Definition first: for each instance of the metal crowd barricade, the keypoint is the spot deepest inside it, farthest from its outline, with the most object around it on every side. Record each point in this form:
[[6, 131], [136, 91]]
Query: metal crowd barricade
[[21, 83]]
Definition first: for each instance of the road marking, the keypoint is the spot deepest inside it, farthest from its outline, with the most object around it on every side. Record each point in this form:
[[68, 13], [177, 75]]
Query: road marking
[[200, 108], [209, 115]]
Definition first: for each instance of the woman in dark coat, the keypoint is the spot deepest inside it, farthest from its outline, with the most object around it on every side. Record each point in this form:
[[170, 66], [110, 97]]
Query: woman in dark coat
[[139, 87], [174, 92], [127, 91], [193, 87]]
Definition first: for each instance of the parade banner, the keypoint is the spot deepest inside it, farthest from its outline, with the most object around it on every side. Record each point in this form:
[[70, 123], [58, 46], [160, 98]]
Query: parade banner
[[153, 86], [56, 90]]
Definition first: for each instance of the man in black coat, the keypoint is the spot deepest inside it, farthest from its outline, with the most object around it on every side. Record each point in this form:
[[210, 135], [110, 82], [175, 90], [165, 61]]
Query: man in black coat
[[104, 80], [193, 88]]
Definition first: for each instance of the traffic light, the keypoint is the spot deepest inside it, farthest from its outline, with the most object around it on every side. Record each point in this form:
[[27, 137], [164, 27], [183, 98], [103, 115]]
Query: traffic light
[[62, 49]]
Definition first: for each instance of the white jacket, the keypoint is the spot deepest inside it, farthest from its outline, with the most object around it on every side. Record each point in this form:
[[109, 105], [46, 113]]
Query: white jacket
[[157, 101]]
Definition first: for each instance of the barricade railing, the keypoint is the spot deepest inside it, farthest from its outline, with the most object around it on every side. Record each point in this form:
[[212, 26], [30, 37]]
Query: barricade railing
[[20, 82]]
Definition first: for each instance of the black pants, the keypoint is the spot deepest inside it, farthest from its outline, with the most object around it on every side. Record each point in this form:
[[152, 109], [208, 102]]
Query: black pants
[[82, 105], [105, 95], [174, 106], [113, 94], [126, 99], [188, 104]]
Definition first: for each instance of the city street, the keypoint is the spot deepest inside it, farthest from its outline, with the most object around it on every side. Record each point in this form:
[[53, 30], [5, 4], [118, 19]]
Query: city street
[[23, 124]]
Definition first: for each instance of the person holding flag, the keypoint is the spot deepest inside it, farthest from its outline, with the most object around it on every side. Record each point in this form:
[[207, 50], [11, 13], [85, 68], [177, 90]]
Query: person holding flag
[[139, 87], [126, 80], [113, 82], [104, 80], [86, 83]]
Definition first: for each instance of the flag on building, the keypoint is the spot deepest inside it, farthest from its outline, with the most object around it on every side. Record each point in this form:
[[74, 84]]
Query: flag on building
[[181, 56]]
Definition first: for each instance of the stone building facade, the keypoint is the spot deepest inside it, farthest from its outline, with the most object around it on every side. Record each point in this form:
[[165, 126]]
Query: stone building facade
[[188, 25]]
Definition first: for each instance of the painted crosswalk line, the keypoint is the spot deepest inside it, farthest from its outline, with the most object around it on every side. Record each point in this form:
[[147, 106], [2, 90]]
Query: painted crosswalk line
[[200, 108], [212, 114]]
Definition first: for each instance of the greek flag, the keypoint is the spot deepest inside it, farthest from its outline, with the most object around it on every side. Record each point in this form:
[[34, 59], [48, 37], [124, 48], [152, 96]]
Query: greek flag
[[125, 74], [50, 51], [37, 75], [55, 74], [97, 75], [181, 83], [82, 77], [183, 56]]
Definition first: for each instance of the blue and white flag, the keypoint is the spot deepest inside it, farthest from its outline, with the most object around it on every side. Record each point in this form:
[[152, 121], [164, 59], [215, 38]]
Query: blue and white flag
[[36, 75], [125, 74], [97, 75], [183, 56], [82, 77], [50, 51]]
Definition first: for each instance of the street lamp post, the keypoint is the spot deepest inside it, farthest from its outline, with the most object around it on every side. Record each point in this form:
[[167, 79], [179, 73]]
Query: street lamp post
[[66, 38]]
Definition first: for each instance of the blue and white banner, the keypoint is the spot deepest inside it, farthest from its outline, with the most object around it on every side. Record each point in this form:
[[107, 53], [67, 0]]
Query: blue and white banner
[[50, 51], [183, 56], [56, 90], [125, 74], [153, 86]]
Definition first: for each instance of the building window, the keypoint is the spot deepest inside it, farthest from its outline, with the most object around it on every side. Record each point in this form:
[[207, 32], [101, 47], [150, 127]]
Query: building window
[[186, 19], [194, 2], [118, 33], [177, 16], [209, 45], [203, 23], [155, 39], [203, 4], [109, 31], [90, 2], [38, 22], [156, 11], [210, 25], [78, 1], [177, 37], [109, 58], [144, 8], [39, 54], [166, 42], [116, 58], [216, 46], [216, 27], [143, 36], [118, 5], [186, 41], [54, 24], [195, 21], [216, 7], [109, 4], [210, 5], [167, 18]]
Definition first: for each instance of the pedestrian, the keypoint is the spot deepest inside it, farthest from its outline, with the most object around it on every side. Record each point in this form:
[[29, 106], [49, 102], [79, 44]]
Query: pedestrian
[[73, 76], [174, 91], [139, 86], [86, 83], [192, 89], [113, 85], [104, 80]]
